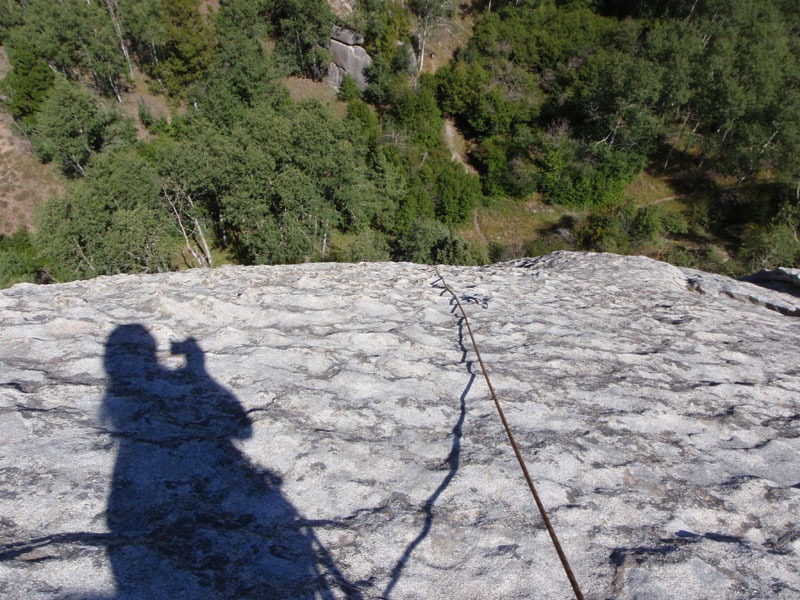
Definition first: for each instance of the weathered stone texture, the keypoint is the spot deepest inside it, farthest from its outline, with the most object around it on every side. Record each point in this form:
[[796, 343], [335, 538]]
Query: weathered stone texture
[[322, 431], [346, 36], [349, 58]]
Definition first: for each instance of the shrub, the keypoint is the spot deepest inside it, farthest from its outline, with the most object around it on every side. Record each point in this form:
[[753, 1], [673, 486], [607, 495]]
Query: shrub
[[348, 90], [367, 245], [18, 258]]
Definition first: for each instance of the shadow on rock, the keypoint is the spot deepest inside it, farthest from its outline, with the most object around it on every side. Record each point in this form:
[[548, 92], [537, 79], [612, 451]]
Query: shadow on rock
[[189, 516]]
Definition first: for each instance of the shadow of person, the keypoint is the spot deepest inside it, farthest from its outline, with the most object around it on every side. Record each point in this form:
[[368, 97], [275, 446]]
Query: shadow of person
[[189, 516]]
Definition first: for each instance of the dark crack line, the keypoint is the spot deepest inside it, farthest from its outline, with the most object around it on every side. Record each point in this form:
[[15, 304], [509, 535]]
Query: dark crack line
[[84, 538], [452, 461]]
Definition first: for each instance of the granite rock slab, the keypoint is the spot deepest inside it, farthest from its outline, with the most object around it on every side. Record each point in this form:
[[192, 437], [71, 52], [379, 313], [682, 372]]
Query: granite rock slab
[[324, 431]]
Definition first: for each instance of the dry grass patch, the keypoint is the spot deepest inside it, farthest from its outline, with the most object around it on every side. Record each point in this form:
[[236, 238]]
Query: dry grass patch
[[649, 188], [443, 42], [301, 88], [457, 144], [141, 92], [24, 181], [512, 222]]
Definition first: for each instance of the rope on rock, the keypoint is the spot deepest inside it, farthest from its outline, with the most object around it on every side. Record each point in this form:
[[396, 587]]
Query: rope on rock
[[561, 555]]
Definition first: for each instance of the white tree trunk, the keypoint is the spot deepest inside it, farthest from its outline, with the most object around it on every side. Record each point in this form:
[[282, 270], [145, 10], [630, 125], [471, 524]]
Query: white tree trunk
[[207, 252], [111, 6], [423, 36], [177, 214]]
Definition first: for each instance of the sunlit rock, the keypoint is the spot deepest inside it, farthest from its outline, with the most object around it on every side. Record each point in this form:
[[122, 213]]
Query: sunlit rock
[[323, 431]]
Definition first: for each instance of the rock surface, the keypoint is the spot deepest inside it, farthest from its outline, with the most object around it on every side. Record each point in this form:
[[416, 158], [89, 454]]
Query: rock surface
[[321, 431], [782, 279], [349, 58], [346, 36]]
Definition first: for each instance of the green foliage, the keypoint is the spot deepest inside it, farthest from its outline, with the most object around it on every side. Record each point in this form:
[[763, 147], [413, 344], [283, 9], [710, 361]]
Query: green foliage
[[529, 68], [381, 82], [71, 127], [73, 37], [774, 245], [286, 178], [248, 18], [626, 229], [12, 14], [367, 245], [491, 158], [186, 49], [721, 76], [402, 61], [155, 123], [18, 259], [567, 99], [348, 90], [367, 122], [384, 25], [768, 248], [430, 242], [416, 112], [573, 174], [144, 113], [303, 29], [26, 85], [440, 188], [143, 20], [615, 100], [111, 221], [241, 76]]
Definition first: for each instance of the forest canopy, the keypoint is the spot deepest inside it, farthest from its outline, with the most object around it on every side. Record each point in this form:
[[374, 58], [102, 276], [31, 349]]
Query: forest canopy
[[562, 103]]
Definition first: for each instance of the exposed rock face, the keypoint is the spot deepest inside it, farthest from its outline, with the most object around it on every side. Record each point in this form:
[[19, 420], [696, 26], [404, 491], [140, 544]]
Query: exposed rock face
[[784, 280], [349, 58], [342, 8], [321, 431], [345, 36]]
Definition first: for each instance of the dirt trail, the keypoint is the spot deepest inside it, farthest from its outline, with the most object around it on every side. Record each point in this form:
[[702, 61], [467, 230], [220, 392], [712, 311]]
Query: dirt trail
[[457, 145], [478, 227], [667, 199], [24, 181]]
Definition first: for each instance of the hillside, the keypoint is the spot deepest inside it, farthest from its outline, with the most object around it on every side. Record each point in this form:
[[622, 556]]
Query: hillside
[[198, 133]]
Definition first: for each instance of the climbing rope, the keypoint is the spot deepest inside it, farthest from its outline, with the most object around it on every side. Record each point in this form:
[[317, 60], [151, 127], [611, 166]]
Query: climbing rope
[[561, 555]]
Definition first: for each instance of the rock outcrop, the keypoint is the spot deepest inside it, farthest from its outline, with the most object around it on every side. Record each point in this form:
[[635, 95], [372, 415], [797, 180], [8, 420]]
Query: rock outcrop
[[783, 280], [349, 58], [322, 431]]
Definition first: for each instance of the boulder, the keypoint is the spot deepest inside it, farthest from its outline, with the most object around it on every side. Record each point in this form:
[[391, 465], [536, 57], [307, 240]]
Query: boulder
[[346, 36], [781, 279], [324, 430], [348, 60]]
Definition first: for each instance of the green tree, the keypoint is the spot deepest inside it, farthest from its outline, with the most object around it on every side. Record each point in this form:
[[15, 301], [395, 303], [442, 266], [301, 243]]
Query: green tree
[[188, 46], [26, 85], [12, 14], [74, 37], [286, 178], [430, 242], [19, 260], [241, 76], [416, 112], [143, 22], [111, 221], [348, 90], [431, 15], [71, 127], [303, 29], [367, 245]]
